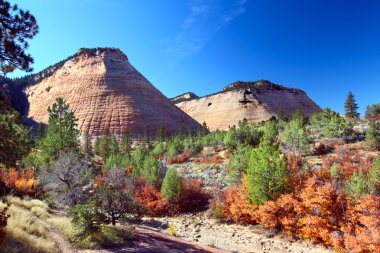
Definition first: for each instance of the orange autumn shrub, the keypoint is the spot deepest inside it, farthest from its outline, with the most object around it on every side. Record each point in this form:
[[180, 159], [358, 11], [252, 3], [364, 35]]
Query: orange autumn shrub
[[362, 226], [208, 160], [100, 179], [10, 179], [21, 183], [236, 205], [316, 206], [153, 204], [283, 214], [296, 175], [150, 199], [323, 209], [182, 158]]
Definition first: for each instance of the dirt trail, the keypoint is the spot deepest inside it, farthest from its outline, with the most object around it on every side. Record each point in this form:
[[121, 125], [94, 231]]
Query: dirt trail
[[149, 241], [63, 245], [144, 240], [232, 237]]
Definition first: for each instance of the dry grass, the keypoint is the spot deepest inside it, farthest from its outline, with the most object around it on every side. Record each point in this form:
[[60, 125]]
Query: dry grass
[[2, 206], [40, 212], [25, 231], [25, 220], [37, 243], [27, 203], [65, 226]]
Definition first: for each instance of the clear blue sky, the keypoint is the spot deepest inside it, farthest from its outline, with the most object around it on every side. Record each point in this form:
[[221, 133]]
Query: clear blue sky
[[325, 47]]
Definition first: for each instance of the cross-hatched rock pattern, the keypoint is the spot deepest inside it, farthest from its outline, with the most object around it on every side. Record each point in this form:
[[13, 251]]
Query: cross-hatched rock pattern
[[254, 101], [106, 94]]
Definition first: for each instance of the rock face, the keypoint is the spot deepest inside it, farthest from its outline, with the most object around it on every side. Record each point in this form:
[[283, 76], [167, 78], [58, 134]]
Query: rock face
[[106, 93], [253, 101], [184, 97]]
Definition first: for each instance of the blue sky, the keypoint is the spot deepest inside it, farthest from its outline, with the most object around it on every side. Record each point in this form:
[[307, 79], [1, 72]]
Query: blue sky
[[325, 47]]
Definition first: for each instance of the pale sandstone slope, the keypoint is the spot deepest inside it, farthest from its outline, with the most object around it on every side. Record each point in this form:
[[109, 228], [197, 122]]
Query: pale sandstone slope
[[106, 92], [256, 102]]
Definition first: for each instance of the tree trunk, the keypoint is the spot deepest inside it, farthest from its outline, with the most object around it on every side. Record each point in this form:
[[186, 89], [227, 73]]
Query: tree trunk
[[113, 217]]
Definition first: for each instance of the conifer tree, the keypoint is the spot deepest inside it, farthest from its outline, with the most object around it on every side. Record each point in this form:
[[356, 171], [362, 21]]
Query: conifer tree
[[87, 147], [266, 173], [62, 133], [125, 143], [351, 107], [373, 135], [204, 129], [171, 187], [114, 147], [161, 134], [17, 26], [150, 169]]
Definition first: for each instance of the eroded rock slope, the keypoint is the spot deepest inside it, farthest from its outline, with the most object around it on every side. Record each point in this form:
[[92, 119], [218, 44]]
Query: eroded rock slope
[[253, 101], [106, 93]]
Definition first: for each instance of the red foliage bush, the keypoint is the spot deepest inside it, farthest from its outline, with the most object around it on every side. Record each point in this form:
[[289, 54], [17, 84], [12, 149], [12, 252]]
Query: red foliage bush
[[316, 206], [193, 197], [182, 158], [236, 205], [153, 204], [150, 199], [322, 210], [362, 225], [208, 160], [281, 214]]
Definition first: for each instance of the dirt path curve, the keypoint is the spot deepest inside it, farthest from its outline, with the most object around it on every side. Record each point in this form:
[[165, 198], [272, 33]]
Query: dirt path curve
[[63, 245], [149, 241]]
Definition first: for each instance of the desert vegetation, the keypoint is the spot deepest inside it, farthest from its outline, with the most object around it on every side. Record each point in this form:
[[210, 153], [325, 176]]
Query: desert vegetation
[[311, 178], [271, 180]]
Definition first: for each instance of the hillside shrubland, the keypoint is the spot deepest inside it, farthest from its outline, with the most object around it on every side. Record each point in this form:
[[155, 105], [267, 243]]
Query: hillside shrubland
[[250, 174]]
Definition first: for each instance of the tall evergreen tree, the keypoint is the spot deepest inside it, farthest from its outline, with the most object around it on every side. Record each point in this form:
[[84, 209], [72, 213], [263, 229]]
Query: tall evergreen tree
[[171, 186], [62, 133], [161, 134], [125, 143], [204, 129], [266, 173], [351, 107], [114, 147], [87, 147]]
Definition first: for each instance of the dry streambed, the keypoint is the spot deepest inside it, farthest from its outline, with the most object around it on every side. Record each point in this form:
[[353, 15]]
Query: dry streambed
[[231, 237]]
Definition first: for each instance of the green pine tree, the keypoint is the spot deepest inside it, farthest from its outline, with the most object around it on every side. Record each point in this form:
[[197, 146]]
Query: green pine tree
[[87, 147], [161, 134], [114, 147], [373, 135], [125, 143], [62, 133], [150, 170], [171, 186], [351, 107], [266, 173]]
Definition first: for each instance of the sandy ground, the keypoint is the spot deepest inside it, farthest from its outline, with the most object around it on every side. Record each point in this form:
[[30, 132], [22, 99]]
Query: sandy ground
[[230, 237]]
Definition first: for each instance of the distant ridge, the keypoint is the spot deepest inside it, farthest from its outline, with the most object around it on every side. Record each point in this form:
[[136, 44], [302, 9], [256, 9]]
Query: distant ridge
[[254, 101]]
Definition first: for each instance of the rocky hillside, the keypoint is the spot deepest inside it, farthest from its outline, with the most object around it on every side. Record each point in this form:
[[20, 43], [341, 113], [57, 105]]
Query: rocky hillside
[[106, 93], [184, 97], [254, 101]]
